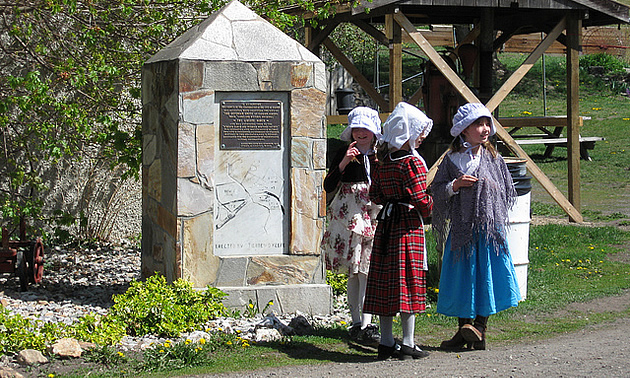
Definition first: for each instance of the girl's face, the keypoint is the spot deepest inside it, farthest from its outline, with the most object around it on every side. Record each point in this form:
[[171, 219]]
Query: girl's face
[[419, 141], [363, 136], [478, 132]]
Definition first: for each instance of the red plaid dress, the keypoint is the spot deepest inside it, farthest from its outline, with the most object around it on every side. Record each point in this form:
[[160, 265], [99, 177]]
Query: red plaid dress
[[396, 280]]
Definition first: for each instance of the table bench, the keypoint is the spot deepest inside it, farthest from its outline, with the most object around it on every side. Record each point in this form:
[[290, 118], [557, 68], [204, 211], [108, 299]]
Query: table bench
[[549, 138]]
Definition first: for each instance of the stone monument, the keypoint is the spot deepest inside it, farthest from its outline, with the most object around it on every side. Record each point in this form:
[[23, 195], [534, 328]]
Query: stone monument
[[234, 149]]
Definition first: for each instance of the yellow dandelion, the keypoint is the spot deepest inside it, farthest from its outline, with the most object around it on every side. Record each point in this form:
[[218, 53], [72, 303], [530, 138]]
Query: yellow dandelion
[[429, 315], [220, 329], [342, 322], [202, 341], [251, 305], [187, 341], [121, 354], [161, 350], [51, 375], [229, 343], [626, 119]]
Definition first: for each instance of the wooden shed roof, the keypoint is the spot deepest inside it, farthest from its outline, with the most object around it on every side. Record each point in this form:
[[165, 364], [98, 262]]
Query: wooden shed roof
[[515, 16]]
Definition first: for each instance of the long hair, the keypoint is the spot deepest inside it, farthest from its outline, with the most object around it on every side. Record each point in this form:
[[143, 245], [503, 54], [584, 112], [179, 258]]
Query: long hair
[[456, 145], [382, 150]]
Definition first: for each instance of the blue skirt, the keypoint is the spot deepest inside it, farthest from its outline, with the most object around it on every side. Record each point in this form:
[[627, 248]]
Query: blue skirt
[[482, 283]]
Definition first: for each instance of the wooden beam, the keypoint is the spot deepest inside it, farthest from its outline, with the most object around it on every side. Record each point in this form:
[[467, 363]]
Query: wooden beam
[[318, 37], [518, 75], [394, 34], [574, 33], [378, 35], [356, 74], [469, 96]]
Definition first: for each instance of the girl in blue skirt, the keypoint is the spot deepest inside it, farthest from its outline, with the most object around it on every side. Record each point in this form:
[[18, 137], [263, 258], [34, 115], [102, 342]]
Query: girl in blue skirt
[[472, 192]]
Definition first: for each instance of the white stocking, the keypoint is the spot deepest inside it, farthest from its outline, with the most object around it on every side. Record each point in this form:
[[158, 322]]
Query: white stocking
[[355, 299], [408, 328], [365, 318], [387, 332]]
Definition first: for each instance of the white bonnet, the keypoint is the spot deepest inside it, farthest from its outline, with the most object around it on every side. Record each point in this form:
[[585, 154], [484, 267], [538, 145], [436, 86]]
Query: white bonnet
[[362, 117], [469, 113], [406, 123]]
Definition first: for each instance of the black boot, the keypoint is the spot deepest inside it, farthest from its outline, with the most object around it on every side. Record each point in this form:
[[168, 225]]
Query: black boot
[[481, 323], [458, 342]]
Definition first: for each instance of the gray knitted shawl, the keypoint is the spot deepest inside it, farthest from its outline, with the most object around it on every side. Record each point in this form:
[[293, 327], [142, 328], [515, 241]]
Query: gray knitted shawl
[[482, 208]]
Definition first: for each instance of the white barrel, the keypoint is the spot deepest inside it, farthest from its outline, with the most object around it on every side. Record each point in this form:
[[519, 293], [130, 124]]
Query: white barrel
[[518, 239]]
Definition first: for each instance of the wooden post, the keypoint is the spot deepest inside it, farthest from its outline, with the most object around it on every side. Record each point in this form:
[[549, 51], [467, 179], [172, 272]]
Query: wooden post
[[394, 34], [309, 36], [574, 34], [486, 52]]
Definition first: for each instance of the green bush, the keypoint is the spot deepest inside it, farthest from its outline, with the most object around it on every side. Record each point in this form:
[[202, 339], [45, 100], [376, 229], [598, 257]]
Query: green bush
[[101, 330], [611, 64], [338, 282], [170, 356], [18, 333], [157, 308]]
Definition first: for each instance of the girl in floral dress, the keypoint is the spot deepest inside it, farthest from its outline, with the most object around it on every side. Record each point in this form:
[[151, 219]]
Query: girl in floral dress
[[396, 281], [347, 242]]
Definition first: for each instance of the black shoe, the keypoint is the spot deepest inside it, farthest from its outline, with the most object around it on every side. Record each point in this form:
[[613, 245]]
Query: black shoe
[[355, 332], [407, 353], [470, 333], [370, 335], [456, 343], [385, 352]]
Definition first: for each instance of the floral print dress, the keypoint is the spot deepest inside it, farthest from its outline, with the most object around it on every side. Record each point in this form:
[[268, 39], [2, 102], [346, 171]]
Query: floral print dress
[[347, 241]]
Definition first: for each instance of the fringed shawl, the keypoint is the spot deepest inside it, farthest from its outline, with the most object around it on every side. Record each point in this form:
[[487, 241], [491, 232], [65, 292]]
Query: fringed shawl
[[482, 208]]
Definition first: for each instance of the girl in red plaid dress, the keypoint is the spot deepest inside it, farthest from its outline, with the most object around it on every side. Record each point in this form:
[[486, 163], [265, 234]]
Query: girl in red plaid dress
[[396, 280]]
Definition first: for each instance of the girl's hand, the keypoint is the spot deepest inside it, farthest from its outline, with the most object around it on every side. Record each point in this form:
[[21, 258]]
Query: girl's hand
[[464, 181], [351, 155]]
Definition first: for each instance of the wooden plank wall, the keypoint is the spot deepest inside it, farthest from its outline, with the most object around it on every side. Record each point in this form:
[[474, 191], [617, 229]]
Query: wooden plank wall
[[610, 40]]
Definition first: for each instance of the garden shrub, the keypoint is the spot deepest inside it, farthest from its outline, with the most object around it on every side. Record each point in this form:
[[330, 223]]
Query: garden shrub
[[18, 333], [157, 308], [338, 282], [610, 63]]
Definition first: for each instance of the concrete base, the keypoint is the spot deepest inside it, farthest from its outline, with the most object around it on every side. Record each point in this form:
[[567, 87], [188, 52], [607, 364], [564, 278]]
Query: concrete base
[[314, 299]]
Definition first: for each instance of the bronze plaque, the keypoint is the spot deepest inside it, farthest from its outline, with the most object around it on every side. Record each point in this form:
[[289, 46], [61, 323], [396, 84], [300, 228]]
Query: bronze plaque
[[250, 125]]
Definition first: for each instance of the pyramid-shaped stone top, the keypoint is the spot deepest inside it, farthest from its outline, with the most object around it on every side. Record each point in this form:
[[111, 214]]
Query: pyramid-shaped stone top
[[235, 33]]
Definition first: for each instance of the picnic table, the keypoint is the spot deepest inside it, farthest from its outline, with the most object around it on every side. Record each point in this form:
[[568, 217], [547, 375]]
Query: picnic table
[[551, 128]]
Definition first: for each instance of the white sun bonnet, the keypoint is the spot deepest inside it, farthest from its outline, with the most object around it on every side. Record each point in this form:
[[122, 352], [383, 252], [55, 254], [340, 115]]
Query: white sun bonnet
[[406, 123], [469, 113], [362, 117]]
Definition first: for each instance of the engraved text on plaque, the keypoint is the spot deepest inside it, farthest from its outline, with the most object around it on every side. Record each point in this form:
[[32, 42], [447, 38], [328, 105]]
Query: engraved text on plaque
[[250, 125]]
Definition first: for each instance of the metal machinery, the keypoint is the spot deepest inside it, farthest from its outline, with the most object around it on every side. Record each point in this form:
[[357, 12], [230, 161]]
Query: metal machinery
[[24, 258]]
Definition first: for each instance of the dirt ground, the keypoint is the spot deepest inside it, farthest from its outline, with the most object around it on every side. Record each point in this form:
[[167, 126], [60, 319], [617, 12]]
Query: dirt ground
[[598, 351]]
